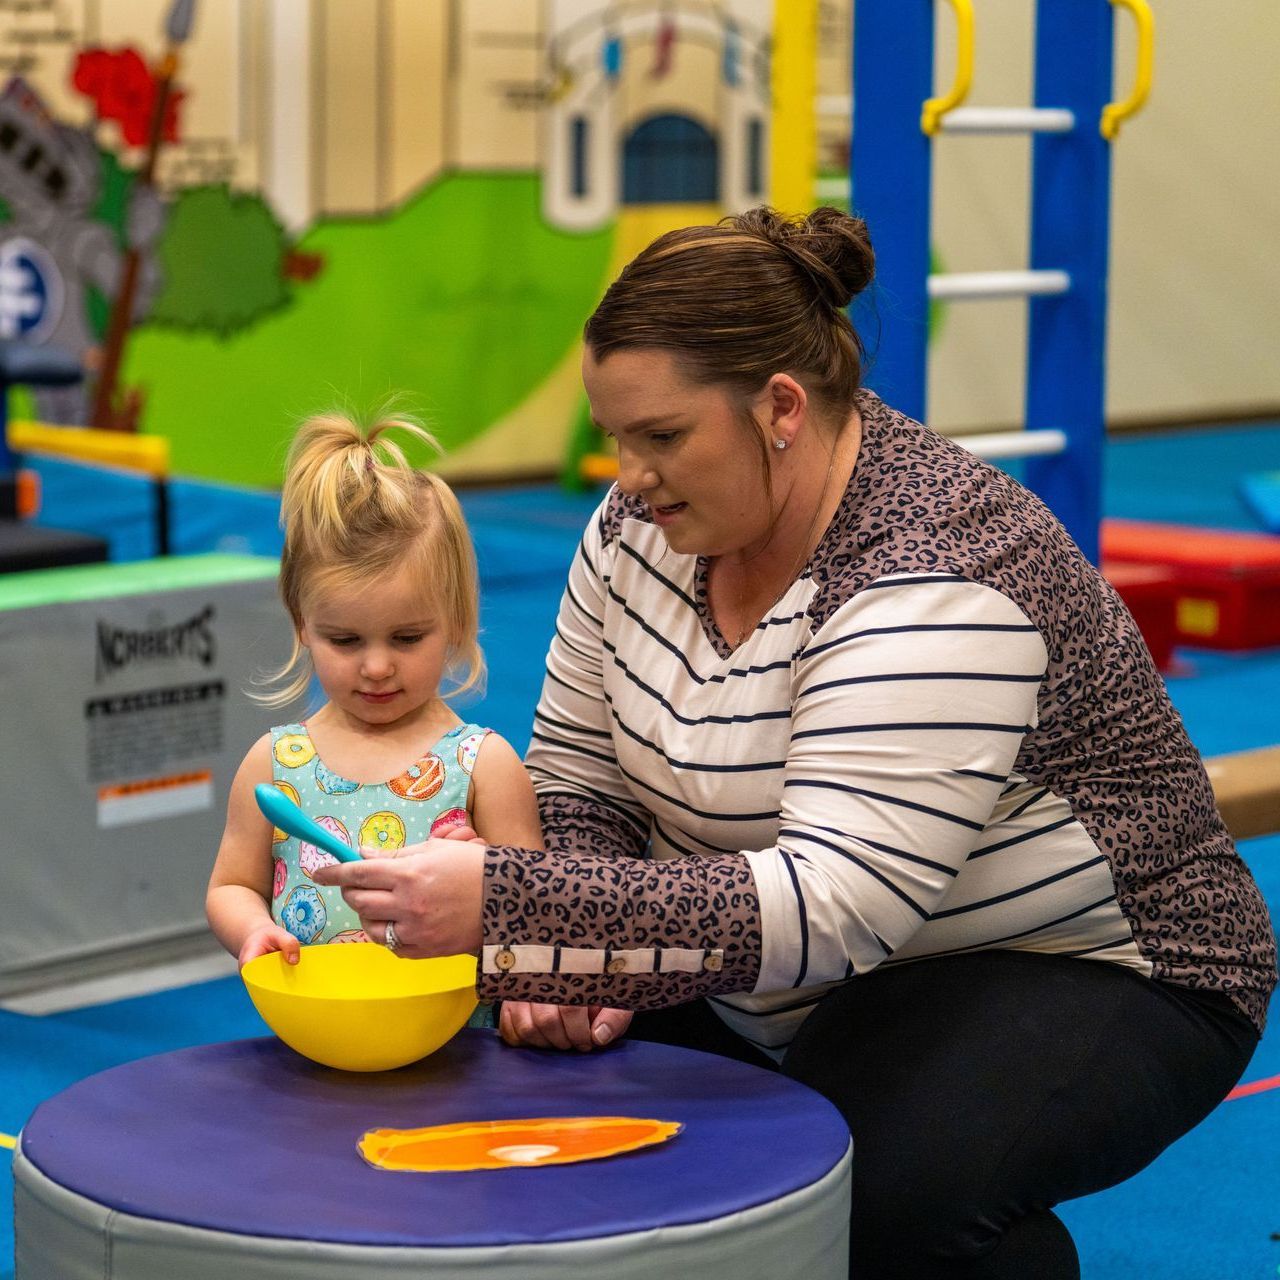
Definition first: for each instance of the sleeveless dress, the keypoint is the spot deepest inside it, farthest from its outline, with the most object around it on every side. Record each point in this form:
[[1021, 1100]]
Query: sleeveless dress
[[428, 796]]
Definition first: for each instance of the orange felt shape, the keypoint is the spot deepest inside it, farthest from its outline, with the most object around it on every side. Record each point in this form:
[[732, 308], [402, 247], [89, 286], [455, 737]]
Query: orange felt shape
[[510, 1144]]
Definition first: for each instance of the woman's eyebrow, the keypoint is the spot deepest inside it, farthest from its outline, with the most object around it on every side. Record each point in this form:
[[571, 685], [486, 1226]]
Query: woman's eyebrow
[[639, 425]]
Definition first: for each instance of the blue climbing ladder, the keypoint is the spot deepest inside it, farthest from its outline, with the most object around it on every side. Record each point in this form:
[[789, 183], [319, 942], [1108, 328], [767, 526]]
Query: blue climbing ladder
[[1065, 281]]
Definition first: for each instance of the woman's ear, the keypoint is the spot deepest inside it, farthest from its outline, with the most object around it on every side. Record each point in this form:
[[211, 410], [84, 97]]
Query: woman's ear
[[785, 407]]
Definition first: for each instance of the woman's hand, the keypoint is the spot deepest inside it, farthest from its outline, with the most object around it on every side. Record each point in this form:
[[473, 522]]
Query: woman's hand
[[554, 1026], [265, 939], [432, 892]]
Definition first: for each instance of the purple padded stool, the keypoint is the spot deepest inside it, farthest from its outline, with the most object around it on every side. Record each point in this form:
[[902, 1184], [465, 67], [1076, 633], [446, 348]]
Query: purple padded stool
[[240, 1160]]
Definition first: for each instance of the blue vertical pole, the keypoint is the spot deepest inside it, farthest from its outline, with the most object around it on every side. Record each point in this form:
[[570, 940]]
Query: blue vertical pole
[[8, 459], [1070, 216], [892, 172]]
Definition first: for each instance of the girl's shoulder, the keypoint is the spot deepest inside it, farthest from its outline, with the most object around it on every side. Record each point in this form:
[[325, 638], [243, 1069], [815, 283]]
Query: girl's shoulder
[[291, 745], [463, 741]]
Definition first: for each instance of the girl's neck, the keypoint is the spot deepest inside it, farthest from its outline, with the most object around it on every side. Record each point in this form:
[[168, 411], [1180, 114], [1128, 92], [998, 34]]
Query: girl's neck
[[372, 753]]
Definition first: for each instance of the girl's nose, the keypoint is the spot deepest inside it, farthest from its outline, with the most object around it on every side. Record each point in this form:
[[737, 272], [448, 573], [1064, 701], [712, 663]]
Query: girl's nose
[[377, 664]]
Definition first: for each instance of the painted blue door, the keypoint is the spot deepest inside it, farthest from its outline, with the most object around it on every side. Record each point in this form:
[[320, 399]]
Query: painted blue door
[[670, 160]]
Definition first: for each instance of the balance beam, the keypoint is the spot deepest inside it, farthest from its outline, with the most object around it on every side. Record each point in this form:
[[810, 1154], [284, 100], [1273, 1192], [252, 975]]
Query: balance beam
[[148, 454], [1247, 787]]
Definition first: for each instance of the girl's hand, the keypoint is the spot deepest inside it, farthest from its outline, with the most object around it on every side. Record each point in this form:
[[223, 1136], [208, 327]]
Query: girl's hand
[[462, 832], [554, 1026], [267, 938], [431, 891]]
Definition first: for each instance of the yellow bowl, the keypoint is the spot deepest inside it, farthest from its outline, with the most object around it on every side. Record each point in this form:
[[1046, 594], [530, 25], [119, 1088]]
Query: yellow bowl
[[357, 1007]]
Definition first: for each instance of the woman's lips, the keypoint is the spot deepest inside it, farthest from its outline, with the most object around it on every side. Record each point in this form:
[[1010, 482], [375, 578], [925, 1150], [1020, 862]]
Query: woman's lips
[[665, 515]]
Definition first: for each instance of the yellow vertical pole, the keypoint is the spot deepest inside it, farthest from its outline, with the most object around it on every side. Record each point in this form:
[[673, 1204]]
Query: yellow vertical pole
[[793, 140]]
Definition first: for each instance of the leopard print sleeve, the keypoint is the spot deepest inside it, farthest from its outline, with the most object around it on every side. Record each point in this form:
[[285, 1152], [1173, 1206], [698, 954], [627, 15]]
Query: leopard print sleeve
[[591, 928]]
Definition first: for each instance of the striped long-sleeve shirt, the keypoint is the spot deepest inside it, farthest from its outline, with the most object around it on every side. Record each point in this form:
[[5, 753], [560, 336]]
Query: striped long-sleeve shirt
[[947, 735]]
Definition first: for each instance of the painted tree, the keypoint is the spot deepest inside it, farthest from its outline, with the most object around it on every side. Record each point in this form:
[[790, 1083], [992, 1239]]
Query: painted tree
[[225, 261]]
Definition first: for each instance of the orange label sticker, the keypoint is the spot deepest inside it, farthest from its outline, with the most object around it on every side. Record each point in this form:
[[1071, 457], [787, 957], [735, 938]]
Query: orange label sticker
[[510, 1144], [125, 803]]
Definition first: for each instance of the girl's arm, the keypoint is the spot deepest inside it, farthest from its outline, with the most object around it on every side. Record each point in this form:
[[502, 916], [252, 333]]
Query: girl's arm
[[237, 903], [504, 809]]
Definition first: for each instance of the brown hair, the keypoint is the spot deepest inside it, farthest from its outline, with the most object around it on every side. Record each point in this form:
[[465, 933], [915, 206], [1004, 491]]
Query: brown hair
[[353, 508], [753, 295]]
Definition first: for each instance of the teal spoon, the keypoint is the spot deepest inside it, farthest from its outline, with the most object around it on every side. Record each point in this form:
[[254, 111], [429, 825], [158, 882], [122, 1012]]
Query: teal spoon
[[280, 810]]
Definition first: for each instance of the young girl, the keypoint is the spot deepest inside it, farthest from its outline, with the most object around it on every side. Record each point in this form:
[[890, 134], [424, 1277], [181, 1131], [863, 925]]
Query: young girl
[[379, 577]]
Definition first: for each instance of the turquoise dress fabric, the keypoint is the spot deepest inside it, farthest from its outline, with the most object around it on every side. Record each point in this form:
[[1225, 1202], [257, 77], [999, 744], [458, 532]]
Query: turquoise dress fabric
[[428, 796]]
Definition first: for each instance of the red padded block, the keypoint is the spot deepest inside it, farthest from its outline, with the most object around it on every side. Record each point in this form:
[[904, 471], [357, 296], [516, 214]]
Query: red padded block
[[1227, 583], [1150, 593]]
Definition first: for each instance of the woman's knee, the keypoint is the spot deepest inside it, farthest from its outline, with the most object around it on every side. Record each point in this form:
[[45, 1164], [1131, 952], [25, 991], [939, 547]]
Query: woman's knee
[[901, 1232]]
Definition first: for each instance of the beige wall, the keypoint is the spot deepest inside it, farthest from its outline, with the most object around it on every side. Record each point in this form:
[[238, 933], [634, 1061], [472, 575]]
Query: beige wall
[[350, 90], [379, 85], [498, 44], [417, 114], [1195, 276], [1194, 321]]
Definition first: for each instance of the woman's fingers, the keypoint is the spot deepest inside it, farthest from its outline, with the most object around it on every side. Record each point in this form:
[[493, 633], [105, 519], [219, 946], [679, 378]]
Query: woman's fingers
[[515, 1025], [552, 1026], [432, 891], [373, 904], [373, 872], [608, 1025]]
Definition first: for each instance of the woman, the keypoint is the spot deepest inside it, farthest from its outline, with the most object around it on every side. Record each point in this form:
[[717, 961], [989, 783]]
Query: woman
[[827, 695]]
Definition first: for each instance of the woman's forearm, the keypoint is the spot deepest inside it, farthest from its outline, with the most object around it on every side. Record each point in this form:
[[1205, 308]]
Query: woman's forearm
[[637, 934]]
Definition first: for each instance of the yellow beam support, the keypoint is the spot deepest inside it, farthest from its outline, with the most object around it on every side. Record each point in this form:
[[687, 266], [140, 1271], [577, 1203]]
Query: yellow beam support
[[148, 454], [793, 137]]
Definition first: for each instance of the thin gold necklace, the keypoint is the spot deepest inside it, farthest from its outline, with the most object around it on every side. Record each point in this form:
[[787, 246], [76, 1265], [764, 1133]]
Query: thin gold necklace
[[805, 552]]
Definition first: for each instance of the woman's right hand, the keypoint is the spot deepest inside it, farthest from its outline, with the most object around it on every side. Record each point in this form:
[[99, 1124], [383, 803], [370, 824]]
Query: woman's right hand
[[555, 1026], [267, 938]]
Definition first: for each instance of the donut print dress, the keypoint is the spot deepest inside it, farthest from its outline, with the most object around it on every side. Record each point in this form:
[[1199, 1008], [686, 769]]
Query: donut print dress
[[431, 794]]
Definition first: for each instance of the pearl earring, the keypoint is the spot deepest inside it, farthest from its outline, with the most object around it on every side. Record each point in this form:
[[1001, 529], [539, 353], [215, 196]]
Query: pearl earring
[[779, 444]]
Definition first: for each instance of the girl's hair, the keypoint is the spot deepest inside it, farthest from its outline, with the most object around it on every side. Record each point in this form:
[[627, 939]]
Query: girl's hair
[[754, 295], [352, 509]]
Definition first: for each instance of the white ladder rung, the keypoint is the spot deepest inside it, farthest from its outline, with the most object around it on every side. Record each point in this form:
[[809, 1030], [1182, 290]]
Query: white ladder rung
[[832, 188], [997, 284], [834, 104], [1008, 120], [1014, 444]]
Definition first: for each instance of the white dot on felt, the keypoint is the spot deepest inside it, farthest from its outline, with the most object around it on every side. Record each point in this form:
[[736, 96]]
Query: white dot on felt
[[524, 1154]]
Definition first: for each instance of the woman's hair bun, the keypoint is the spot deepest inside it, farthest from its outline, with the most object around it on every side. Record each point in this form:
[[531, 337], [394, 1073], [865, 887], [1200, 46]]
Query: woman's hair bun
[[830, 246]]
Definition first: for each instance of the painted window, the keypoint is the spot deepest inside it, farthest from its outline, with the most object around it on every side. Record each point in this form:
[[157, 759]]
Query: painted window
[[755, 156], [580, 135], [670, 159]]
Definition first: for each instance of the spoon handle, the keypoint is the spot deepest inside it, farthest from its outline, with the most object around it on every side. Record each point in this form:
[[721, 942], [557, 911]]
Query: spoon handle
[[278, 808]]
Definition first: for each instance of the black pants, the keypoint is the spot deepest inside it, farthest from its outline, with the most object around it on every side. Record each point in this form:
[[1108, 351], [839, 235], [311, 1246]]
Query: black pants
[[983, 1089]]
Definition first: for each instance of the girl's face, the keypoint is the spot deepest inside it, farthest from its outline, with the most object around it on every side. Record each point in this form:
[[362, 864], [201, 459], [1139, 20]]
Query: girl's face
[[683, 448], [379, 649]]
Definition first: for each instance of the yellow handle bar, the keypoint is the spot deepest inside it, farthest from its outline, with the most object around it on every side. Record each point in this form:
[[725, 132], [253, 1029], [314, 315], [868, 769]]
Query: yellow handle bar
[[935, 108], [1114, 112]]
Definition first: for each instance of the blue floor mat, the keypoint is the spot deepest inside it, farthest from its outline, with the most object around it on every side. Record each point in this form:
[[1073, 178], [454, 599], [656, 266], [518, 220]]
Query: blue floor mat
[[1209, 1207], [1206, 1210], [40, 1057]]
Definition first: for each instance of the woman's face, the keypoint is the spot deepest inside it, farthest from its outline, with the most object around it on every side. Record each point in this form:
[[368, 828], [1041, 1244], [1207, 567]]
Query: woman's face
[[683, 448]]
